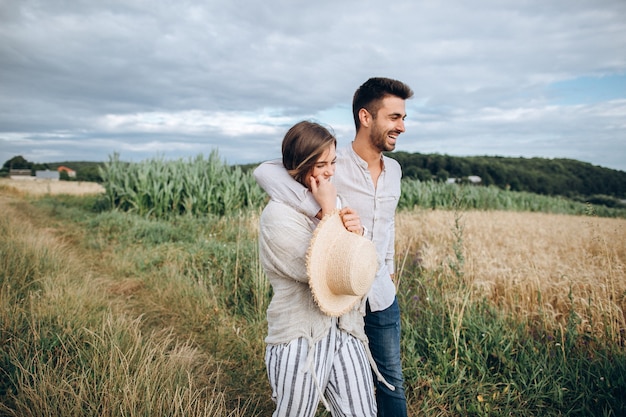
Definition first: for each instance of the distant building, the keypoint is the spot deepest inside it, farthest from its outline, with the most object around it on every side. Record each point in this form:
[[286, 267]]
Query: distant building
[[474, 179], [471, 179], [21, 174], [70, 172], [47, 175]]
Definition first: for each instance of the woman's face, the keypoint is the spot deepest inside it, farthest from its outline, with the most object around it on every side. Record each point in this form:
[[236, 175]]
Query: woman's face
[[324, 167]]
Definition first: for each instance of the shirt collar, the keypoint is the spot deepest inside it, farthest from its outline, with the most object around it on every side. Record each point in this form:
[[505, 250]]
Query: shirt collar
[[360, 161]]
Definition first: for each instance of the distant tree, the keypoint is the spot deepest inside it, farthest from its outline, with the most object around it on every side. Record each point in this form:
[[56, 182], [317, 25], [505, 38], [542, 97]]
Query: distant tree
[[459, 167], [17, 162], [442, 175], [417, 173], [565, 177], [88, 173], [40, 167]]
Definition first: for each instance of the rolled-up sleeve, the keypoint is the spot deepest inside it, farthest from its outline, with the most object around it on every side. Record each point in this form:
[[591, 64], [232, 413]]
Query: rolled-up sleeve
[[280, 186]]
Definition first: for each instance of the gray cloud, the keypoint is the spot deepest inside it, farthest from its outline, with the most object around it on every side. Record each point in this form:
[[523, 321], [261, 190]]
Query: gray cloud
[[80, 80]]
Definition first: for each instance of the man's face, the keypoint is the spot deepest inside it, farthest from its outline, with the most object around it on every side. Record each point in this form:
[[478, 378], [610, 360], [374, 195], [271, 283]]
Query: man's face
[[388, 123]]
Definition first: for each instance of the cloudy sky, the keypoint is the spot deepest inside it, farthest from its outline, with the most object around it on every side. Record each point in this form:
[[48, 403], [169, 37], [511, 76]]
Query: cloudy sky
[[82, 79]]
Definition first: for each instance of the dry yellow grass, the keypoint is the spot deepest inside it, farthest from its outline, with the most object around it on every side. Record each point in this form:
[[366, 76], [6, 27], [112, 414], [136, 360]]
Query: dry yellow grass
[[76, 301], [42, 187], [527, 263]]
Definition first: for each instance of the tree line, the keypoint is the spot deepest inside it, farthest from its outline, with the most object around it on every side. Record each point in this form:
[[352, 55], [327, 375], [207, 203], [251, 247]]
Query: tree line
[[85, 170], [565, 177]]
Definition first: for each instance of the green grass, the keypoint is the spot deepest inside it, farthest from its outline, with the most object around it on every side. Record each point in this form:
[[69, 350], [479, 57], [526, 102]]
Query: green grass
[[437, 195], [77, 339], [118, 313], [502, 366]]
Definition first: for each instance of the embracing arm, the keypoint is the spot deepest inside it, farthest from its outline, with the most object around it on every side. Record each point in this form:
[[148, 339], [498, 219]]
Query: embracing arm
[[276, 181]]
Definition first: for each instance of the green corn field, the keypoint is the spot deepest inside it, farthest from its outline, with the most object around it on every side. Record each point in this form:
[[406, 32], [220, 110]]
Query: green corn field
[[160, 188]]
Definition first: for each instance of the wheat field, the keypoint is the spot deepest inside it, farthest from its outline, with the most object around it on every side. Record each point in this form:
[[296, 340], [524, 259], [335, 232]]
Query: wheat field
[[43, 187], [528, 263]]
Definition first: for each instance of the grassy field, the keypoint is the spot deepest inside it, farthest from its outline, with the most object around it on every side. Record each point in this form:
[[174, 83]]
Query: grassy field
[[108, 313]]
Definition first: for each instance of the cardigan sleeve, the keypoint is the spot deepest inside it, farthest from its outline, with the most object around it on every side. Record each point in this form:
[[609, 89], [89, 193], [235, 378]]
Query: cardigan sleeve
[[276, 181], [284, 238]]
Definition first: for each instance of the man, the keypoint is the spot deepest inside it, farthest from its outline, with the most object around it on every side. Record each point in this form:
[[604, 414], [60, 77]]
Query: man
[[369, 183]]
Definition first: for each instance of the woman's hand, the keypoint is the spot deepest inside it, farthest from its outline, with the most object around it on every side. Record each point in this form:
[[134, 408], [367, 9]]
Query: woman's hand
[[324, 193], [351, 220]]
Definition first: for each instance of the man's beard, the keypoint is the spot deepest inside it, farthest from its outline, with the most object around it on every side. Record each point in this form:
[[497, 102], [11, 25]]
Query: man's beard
[[378, 139]]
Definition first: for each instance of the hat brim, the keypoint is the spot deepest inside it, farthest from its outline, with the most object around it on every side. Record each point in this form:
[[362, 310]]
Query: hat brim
[[326, 237]]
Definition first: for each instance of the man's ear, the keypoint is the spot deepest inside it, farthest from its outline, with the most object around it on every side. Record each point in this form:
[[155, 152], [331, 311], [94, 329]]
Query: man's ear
[[365, 118]]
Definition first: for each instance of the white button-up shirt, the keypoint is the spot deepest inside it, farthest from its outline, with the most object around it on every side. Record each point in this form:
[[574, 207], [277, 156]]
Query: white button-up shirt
[[375, 204]]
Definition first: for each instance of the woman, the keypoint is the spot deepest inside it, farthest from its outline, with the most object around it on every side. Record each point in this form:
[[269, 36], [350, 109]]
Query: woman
[[316, 349]]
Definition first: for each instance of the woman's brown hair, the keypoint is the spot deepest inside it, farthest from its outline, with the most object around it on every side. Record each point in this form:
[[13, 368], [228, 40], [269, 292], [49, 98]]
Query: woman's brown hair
[[302, 146]]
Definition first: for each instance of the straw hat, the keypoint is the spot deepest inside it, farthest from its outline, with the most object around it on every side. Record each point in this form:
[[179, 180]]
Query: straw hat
[[341, 266]]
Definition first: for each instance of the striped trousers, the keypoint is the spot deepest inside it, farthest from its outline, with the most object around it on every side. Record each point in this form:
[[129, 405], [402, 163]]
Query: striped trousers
[[338, 369]]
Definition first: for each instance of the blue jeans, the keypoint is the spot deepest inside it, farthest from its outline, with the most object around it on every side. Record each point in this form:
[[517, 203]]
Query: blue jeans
[[383, 331]]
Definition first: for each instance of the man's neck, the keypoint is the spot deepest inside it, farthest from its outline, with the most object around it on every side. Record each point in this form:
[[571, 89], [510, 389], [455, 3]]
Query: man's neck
[[363, 147]]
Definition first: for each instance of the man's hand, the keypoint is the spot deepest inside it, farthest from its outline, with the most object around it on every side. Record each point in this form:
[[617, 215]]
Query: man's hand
[[351, 220]]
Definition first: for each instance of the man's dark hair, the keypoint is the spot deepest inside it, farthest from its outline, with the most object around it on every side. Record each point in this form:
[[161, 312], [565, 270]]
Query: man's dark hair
[[371, 93]]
